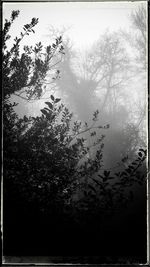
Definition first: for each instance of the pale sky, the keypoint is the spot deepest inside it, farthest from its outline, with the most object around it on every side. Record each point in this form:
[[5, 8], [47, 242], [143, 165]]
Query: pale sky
[[88, 20]]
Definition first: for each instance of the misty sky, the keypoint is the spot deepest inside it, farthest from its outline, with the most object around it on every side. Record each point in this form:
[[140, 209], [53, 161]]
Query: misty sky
[[86, 21]]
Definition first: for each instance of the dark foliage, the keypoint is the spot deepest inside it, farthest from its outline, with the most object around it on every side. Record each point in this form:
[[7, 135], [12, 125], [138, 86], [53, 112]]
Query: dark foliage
[[50, 178]]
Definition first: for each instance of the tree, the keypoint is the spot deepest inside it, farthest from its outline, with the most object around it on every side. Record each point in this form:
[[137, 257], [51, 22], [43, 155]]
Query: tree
[[25, 75], [138, 19], [100, 78], [136, 40], [27, 140]]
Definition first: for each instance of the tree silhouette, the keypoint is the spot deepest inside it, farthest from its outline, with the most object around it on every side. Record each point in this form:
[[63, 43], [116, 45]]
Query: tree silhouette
[[52, 180]]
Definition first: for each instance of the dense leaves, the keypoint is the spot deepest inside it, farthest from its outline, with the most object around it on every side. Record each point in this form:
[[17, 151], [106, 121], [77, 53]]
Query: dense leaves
[[25, 74]]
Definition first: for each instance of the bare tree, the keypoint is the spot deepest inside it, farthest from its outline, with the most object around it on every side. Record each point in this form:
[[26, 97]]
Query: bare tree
[[137, 38], [138, 19]]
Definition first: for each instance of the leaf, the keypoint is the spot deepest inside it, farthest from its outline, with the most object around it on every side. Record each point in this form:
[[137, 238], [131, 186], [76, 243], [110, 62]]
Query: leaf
[[141, 150], [134, 163], [47, 109], [97, 182], [140, 154], [52, 97], [49, 104], [131, 167], [44, 112], [117, 173], [100, 176], [57, 100]]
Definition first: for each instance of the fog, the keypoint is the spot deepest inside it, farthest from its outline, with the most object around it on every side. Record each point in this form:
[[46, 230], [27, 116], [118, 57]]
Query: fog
[[103, 69]]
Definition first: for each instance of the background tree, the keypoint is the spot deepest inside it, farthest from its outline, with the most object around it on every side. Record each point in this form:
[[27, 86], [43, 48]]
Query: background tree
[[139, 39], [137, 43], [100, 78]]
